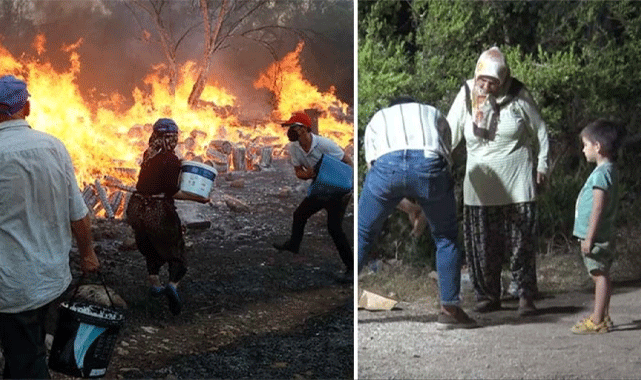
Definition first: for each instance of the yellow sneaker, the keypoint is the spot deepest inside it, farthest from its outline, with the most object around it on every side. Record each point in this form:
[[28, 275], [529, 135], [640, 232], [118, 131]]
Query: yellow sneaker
[[608, 322], [586, 326]]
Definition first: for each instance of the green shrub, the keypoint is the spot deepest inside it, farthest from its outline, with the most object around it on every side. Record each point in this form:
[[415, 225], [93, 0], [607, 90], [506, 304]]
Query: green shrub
[[580, 61]]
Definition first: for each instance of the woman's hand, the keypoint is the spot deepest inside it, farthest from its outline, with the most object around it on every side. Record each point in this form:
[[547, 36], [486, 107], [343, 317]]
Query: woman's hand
[[191, 197]]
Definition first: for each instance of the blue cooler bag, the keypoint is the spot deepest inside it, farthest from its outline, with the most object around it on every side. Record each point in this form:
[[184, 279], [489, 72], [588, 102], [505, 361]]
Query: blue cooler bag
[[333, 178]]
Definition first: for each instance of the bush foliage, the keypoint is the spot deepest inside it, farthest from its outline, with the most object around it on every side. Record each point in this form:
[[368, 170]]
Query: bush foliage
[[580, 60]]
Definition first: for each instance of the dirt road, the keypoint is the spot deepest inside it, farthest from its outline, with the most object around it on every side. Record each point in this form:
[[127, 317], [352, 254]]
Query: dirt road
[[250, 311], [404, 343]]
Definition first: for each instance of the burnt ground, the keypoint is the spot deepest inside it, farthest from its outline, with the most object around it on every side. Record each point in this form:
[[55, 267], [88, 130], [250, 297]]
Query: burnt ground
[[249, 310]]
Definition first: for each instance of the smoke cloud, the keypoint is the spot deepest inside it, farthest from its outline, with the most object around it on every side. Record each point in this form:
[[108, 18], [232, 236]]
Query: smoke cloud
[[119, 48]]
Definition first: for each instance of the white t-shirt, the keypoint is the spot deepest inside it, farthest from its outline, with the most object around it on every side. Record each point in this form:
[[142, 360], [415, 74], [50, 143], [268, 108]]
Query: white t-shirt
[[320, 145], [39, 197], [407, 126]]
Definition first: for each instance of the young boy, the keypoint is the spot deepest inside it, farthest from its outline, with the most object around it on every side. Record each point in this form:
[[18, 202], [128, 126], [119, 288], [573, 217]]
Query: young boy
[[596, 209]]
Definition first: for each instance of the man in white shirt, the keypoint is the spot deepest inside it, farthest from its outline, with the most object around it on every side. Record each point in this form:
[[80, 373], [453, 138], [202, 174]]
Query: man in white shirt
[[407, 146], [306, 150], [41, 208]]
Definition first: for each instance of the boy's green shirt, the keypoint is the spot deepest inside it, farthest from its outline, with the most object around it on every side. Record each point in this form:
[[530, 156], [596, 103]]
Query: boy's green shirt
[[605, 177]]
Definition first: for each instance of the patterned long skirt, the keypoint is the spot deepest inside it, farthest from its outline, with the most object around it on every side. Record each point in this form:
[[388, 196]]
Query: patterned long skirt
[[493, 234], [158, 233]]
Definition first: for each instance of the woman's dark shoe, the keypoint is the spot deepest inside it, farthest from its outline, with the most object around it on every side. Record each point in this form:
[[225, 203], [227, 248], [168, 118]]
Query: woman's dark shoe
[[173, 298], [526, 307], [286, 246], [346, 277], [487, 306], [156, 291]]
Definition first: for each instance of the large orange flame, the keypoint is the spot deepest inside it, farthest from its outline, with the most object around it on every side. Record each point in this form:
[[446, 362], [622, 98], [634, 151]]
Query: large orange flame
[[285, 79], [104, 141]]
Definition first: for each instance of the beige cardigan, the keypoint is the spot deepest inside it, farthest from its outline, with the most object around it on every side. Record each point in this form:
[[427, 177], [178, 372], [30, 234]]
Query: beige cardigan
[[500, 171]]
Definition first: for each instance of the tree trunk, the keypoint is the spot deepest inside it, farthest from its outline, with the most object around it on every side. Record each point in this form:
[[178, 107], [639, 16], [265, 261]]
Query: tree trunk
[[211, 38], [166, 41], [199, 85]]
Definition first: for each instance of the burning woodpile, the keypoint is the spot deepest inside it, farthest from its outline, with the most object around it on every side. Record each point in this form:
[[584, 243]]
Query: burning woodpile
[[106, 140], [109, 195]]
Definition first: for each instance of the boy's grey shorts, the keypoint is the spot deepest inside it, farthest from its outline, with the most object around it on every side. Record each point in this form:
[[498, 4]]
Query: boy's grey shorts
[[600, 257]]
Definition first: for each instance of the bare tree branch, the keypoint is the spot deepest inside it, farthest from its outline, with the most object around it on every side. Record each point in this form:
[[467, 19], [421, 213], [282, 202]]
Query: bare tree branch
[[223, 21]]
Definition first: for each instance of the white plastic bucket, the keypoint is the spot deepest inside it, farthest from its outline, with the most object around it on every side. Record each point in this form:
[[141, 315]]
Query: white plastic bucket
[[197, 178]]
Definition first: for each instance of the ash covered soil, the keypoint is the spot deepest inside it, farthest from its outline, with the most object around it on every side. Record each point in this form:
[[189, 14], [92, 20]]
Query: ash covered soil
[[249, 311]]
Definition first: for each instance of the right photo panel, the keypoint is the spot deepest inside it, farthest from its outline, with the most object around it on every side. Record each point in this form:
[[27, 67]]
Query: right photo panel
[[498, 189]]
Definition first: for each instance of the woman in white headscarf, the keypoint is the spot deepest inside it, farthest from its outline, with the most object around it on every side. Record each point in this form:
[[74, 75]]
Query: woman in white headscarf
[[503, 129]]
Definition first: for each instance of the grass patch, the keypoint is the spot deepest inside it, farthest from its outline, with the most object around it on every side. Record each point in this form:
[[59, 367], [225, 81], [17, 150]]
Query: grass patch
[[559, 270]]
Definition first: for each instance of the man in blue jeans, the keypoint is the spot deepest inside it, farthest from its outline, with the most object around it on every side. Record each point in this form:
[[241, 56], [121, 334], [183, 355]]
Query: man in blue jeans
[[407, 147]]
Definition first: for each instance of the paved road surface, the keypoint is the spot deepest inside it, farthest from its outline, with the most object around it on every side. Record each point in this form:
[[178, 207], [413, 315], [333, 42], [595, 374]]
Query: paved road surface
[[404, 343]]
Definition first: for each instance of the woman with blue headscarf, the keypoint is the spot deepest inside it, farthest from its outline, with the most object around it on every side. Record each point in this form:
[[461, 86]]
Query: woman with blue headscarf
[[152, 214]]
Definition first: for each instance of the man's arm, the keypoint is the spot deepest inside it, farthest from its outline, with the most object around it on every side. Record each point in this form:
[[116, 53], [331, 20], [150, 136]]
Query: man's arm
[[347, 159], [600, 198], [81, 230]]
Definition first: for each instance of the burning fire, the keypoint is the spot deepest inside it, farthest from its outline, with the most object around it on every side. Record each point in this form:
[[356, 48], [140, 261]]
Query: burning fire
[[103, 141], [285, 79]]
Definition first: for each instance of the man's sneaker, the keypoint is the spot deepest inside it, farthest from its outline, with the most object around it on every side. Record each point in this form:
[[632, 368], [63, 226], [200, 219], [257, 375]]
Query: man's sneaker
[[286, 246], [173, 298], [459, 320], [586, 326]]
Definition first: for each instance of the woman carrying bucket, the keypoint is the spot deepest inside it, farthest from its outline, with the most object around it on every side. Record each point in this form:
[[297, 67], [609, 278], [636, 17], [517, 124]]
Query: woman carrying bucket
[[152, 214]]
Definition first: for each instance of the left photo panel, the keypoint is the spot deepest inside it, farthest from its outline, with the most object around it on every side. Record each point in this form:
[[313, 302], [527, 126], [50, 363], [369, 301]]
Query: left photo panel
[[177, 189]]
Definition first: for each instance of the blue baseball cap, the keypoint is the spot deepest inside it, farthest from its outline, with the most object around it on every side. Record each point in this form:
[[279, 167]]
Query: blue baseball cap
[[165, 125], [13, 95]]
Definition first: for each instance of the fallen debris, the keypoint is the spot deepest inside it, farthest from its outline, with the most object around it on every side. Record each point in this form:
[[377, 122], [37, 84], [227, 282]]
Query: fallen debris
[[372, 301]]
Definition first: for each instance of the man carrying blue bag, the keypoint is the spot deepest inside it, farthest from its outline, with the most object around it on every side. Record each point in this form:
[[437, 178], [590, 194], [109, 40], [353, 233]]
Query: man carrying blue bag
[[321, 159]]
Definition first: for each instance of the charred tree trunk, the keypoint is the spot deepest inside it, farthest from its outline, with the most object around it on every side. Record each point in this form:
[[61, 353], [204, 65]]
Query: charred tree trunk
[[90, 198], [266, 157], [239, 158], [102, 195], [222, 146]]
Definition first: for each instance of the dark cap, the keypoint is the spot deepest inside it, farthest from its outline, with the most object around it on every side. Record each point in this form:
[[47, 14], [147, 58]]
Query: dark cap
[[13, 95], [165, 125]]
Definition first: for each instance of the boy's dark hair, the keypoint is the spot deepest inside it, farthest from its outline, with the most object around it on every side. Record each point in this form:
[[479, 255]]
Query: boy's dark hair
[[607, 133]]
